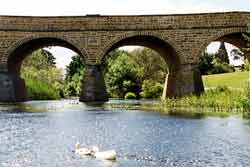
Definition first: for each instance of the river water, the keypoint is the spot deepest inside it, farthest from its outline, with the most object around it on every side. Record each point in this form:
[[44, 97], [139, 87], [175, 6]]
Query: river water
[[43, 133]]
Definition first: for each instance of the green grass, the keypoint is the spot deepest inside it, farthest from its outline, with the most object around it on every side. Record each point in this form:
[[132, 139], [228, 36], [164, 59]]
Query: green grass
[[236, 80]]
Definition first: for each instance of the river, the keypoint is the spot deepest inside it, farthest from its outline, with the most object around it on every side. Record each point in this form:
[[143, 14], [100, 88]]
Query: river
[[43, 134]]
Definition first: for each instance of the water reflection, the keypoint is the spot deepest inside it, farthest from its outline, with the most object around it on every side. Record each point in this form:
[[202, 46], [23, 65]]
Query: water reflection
[[43, 133]]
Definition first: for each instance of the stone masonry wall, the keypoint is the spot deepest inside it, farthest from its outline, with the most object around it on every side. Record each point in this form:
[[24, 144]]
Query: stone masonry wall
[[93, 35]]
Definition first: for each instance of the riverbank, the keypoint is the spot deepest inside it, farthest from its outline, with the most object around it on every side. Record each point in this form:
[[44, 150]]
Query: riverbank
[[225, 94], [220, 102]]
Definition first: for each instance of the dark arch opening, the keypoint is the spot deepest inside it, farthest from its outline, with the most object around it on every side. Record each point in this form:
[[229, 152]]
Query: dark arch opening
[[230, 42], [235, 39], [165, 50], [17, 56]]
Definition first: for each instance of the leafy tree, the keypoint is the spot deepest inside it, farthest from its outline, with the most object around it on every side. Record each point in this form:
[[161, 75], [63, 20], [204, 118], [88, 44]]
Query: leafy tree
[[75, 66], [74, 76], [222, 55], [150, 64], [40, 59], [206, 62], [43, 79], [236, 54], [121, 76], [127, 71]]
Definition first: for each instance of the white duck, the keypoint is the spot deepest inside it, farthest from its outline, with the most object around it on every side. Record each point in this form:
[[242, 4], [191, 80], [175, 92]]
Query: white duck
[[104, 155], [82, 151]]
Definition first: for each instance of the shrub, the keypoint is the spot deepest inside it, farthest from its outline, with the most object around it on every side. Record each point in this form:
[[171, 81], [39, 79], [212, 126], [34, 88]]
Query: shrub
[[219, 68], [38, 90], [130, 95], [222, 88], [151, 89]]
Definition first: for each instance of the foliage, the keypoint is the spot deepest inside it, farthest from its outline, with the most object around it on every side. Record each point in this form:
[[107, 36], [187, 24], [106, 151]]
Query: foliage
[[246, 65], [246, 100], [221, 67], [130, 95], [211, 64], [121, 76], [206, 62], [74, 76], [222, 55], [127, 71], [226, 93], [75, 66], [236, 54], [39, 90], [43, 79], [73, 85], [151, 89], [216, 100], [151, 66]]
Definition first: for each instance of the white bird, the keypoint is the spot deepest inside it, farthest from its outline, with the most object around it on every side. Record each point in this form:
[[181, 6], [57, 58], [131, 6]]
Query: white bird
[[104, 155], [82, 151]]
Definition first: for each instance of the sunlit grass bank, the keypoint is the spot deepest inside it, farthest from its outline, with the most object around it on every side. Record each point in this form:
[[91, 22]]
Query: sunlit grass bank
[[236, 80]]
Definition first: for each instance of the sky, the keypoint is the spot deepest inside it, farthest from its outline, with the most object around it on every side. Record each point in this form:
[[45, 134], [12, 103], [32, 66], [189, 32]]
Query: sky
[[110, 7], [115, 7]]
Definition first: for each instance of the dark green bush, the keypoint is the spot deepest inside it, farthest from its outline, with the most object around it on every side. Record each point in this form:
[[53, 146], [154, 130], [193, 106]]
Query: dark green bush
[[219, 68]]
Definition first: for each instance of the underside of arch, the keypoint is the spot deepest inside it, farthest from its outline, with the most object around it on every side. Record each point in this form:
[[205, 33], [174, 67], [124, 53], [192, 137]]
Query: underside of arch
[[235, 39], [165, 50], [21, 51], [13, 88]]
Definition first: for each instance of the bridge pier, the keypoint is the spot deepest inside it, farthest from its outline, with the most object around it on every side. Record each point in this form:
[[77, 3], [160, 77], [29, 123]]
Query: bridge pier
[[12, 88], [187, 80], [93, 85]]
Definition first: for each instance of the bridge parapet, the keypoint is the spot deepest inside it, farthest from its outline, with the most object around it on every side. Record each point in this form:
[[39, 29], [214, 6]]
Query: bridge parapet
[[132, 22]]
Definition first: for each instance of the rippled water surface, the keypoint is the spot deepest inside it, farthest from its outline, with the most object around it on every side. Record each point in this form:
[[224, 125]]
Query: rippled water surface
[[44, 134]]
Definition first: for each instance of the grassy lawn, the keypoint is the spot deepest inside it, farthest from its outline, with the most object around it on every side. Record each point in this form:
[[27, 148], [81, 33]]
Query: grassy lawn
[[232, 80]]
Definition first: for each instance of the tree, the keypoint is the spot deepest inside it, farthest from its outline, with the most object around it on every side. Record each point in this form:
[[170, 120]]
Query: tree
[[135, 71], [151, 65], [222, 55], [74, 76], [75, 66], [121, 76], [236, 54], [211, 64], [40, 59], [206, 62], [43, 79]]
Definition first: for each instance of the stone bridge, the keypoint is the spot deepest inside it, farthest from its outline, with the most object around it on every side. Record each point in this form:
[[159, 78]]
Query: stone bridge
[[180, 40]]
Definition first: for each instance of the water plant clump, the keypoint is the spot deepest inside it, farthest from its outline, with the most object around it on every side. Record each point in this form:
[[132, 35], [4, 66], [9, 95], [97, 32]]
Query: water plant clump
[[220, 101]]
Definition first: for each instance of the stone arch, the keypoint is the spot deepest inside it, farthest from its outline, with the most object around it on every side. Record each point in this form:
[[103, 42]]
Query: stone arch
[[165, 47], [21, 48], [230, 33]]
